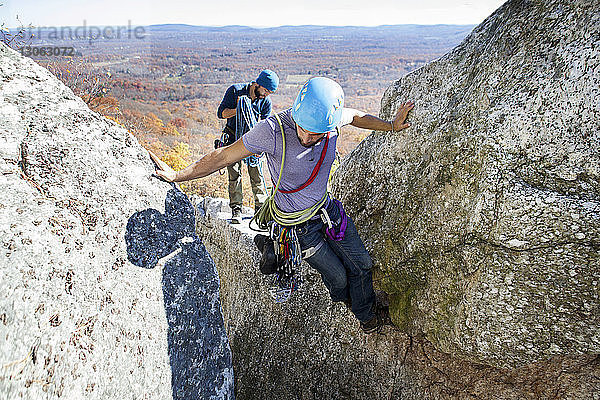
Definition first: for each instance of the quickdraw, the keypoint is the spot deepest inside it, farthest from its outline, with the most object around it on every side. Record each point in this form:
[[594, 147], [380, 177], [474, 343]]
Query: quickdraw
[[288, 277]]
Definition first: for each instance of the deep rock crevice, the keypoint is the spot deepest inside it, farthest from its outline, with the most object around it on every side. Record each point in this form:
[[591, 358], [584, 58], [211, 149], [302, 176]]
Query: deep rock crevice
[[312, 348]]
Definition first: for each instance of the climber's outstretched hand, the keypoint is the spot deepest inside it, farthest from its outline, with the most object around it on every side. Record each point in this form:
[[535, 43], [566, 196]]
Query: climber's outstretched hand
[[399, 120], [162, 169]]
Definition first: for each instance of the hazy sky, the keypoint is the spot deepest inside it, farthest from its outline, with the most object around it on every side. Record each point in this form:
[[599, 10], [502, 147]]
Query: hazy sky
[[245, 12]]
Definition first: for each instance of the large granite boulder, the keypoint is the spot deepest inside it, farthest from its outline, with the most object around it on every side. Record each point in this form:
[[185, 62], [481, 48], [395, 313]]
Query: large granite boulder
[[106, 292], [483, 218], [310, 348]]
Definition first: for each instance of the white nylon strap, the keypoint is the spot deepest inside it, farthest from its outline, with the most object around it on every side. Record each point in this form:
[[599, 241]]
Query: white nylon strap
[[311, 251]]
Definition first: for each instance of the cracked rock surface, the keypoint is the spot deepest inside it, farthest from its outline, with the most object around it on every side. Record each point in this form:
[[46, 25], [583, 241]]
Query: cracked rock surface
[[106, 292], [483, 218], [311, 348]]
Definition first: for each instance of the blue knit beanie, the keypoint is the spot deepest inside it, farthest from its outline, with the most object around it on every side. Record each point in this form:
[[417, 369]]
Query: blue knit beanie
[[268, 79]]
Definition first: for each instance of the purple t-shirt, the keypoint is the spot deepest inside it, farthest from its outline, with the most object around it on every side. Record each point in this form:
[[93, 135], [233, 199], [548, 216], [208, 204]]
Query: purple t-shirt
[[300, 161]]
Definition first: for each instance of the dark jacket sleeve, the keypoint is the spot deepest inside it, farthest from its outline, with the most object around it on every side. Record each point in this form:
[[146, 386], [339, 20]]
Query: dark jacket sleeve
[[266, 108], [229, 101]]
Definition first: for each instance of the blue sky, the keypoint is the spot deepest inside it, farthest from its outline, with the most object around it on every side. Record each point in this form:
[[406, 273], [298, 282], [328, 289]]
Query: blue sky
[[244, 12]]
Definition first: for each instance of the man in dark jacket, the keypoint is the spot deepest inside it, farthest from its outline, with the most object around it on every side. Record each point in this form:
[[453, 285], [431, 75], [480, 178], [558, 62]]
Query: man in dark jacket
[[243, 105]]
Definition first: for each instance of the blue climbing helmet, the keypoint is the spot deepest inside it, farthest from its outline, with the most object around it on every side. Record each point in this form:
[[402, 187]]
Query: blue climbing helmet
[[318, 106]]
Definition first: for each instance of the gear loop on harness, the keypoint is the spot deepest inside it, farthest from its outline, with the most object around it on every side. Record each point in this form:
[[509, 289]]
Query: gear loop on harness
[[326, 219], [288, 277], [330, 231]]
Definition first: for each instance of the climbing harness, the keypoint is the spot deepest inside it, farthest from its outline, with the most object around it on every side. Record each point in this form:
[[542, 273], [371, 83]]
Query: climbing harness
[[282, 229]]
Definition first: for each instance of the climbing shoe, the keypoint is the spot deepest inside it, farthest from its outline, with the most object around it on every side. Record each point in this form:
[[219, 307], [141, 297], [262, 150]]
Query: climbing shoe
[[236, 216], [382, 307], [269, 260], [373, 325]]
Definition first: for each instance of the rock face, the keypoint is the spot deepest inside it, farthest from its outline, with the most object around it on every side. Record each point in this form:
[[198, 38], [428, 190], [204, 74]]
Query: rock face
[[311, 348], [483, 221], [105, 289], [484, 216]]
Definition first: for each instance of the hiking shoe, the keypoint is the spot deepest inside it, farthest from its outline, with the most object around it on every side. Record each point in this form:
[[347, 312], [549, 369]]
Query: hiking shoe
[[236, 216], [373, 325], [269, 261], [382, 307]]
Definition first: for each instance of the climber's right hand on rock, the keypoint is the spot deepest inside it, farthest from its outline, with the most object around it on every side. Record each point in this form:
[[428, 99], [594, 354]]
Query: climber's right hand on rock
[[162, 169], [401, 115]]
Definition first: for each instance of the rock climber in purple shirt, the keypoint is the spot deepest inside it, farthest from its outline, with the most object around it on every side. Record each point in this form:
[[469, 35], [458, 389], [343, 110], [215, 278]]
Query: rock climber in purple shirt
[[299, 144]]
